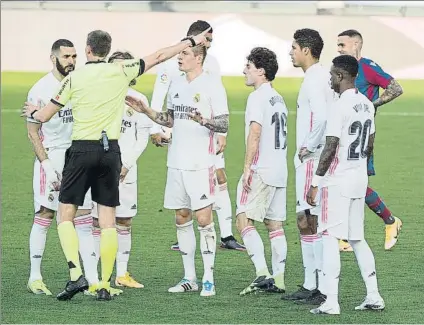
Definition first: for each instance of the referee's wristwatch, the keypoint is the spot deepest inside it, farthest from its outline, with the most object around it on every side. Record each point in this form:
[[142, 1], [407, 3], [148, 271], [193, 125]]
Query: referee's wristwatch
[[193, 43]]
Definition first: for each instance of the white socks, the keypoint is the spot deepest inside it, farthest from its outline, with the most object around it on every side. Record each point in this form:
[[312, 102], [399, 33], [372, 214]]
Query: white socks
[[208, 250], [37, 244], [224, 211], [318, 257], [255, 249], [187, 242], [96, 236], [83, 226], [366, 262], [124, 248], [331, 268], [307, 243], [279, 251]]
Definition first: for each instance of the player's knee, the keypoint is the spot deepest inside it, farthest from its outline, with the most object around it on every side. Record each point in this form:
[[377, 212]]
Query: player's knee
[[45, 213], [204, 216], [302, 223], [124, 222], [96, 223], [312, 223], [221, 177], [242, 222], [182, 216], [273, 225]]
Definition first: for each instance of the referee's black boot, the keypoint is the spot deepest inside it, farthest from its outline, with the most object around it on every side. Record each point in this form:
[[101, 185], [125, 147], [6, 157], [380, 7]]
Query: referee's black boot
[[72, 288], [103, 295]]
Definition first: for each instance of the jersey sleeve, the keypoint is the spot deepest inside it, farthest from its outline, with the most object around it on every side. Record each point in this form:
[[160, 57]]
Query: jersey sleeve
[[335, 121], [219, 99], [318, 104], [254, 111], [132, 68], [33, 99], [63, 95], [375, 75], [161, 87]]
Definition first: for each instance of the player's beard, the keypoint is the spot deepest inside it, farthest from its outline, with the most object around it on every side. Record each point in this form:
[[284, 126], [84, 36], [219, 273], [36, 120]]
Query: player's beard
[[62, 70]]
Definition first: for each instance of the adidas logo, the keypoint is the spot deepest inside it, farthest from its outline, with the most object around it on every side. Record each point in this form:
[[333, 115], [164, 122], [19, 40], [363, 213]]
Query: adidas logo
[[134, 207], [176, 96], [203, 197]]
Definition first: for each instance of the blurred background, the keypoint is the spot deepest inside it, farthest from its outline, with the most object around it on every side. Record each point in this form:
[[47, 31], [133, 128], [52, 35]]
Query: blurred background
[[392, 30]]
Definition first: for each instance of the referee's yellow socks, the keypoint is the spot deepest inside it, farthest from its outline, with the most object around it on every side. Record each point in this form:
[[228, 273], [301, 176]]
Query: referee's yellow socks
[[69, 241], [108, 250]]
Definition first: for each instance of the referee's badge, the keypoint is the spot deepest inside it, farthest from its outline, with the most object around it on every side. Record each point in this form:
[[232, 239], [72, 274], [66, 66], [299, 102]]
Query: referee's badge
[[196, 98], [130, 112]]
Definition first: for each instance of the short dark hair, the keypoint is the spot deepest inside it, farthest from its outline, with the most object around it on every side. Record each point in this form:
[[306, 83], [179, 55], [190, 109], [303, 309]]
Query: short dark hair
[[121, 55], [347, 64], [100, 42], [311, 39], [198, 27], [266, 59], [351, 33], [200, 50], [61, 42]]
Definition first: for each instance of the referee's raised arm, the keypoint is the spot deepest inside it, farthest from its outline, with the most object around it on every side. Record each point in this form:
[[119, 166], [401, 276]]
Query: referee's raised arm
[[96, 93]]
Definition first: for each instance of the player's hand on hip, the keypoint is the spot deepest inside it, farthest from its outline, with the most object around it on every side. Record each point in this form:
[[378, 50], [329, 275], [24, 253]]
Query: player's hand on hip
[[221, 144], [136, 104], [28, 109], [311, 196], [124, 172]]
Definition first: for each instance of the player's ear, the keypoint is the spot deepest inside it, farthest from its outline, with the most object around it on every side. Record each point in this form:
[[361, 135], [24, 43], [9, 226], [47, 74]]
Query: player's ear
[[305, 50], [53, 58]]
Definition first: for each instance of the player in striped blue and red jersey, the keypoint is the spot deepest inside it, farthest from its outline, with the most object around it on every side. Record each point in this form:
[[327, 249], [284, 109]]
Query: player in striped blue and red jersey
[[371, 77]]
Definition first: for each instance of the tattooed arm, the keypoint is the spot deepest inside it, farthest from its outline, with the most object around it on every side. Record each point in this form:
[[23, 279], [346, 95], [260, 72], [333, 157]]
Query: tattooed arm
[[393, 90], [370, 148], [327, 155], [163, 118], [217, 124]]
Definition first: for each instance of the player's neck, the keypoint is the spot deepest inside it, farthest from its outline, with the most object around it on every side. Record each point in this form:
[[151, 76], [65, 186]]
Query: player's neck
[[309, 64], [92, 58], [358, 55], [260, 83], [58, 75], [193, 74], [343, 88]]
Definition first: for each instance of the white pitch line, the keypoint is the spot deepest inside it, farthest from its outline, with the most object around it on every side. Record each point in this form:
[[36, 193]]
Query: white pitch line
[[406, 114]]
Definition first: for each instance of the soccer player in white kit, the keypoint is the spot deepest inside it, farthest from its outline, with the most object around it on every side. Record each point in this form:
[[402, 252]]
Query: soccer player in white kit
[[261, 191], [315, 95], [50, 141], [197, 107], [168, 72], [349, 143], [135, 131]]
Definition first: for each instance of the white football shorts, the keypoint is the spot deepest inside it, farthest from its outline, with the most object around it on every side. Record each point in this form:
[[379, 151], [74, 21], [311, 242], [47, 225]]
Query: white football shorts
[[219, 161], [43, 195], [262, 202], [304, 174], [341, 217], [127, 199], [189, 189]]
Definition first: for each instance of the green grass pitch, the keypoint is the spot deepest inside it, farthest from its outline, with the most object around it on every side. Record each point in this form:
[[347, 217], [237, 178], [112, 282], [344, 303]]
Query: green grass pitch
[[399, 180]]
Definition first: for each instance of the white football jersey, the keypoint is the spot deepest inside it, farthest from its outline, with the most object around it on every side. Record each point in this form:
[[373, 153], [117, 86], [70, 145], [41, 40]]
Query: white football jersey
[[314, 98], [167, 72], [135, 130], [55, 133], [351, 119], [193, 146], [267, 107]]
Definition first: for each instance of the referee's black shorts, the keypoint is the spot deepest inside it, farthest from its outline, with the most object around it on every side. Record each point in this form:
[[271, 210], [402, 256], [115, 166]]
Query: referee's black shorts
[[87, 165]]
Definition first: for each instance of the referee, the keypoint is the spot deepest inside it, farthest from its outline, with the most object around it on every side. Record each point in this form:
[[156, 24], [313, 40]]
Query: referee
[[96, 93]]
